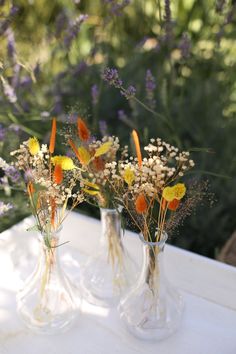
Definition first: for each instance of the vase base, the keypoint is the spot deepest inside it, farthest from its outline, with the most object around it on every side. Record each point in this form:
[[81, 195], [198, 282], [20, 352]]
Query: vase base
[[58, 325]]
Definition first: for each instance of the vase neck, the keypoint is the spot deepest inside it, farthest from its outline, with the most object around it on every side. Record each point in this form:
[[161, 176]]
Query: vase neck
[[49, 245], [152, 267], [111, 225]]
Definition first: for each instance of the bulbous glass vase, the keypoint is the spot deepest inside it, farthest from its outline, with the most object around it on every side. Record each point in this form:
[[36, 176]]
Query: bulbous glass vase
[[108, 274], [47, 303], [152, 309]]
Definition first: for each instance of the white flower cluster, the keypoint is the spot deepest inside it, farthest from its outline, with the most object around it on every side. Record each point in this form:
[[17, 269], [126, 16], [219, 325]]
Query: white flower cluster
[[164, 164]]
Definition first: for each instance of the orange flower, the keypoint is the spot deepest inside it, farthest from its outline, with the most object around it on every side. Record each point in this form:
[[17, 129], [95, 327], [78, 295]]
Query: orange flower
[[137, 147], [30, 188], [141, 204], [98, 164], [53, 136], [83, 131], [74, 148], [173, 205], [58, 174]]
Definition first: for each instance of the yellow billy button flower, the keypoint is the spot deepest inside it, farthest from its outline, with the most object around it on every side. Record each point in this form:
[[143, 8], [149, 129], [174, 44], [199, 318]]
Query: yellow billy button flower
[[65, 162], [168, 194], [103, 149], [129, 176], [179, 190], [33, 146]]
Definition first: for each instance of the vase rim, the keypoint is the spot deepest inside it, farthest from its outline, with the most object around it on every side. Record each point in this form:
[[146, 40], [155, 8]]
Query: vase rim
[[151, 243], [119, 209]]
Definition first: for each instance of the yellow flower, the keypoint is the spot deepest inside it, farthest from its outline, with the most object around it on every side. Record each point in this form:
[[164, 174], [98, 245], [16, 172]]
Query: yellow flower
[[179, 190], [33, 146], [65, 162], [128, 176], [168, 194], [103, 149], [83, 155]]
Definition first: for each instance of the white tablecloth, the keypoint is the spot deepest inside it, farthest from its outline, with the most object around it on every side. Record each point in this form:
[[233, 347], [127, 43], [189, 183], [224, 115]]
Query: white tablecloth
[[208, 287]]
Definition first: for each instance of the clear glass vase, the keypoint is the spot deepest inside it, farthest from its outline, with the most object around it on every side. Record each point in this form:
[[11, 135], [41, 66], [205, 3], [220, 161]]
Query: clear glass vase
[[153, 308], [108, 274], [47, 303]]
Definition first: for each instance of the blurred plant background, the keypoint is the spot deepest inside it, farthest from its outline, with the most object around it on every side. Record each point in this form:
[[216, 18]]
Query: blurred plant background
[[177, 62]]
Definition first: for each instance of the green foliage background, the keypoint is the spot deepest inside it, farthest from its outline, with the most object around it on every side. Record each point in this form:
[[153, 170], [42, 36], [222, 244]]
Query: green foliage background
[[196, 95]]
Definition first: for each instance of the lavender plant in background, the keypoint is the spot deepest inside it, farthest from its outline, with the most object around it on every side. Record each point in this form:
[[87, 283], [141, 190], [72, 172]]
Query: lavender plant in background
[[9, 91], [14, 128], [185, 46], [117, 8], [4, 208], [150, 86], [124, 118], [94, 94], [4, 25], [9, 171], [11, 45], [13, 174], [2, 133], [103, 127], [228, 19], [73, 30], [61, 23], [168, 25], [121, 115], [111, 76], [129, 92], [79, 68]]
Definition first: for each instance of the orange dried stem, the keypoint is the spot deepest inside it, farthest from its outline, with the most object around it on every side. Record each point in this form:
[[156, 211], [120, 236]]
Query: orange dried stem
[[30, 188], [137, 147], [53, 136], [53, 213]]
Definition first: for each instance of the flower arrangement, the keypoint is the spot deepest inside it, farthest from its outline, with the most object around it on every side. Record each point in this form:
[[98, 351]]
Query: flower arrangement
[[50, 180], [150, 189], [97, 163]]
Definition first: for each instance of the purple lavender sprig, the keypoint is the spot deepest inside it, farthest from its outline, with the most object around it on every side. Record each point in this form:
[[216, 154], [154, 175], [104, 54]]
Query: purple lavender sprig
[[11, 45], [2, 132], [185, 45], [103, 127], [74, 29], [94, 94], [150, 86], [9, 91], [111, 76], [168, 24], [129, 92]]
